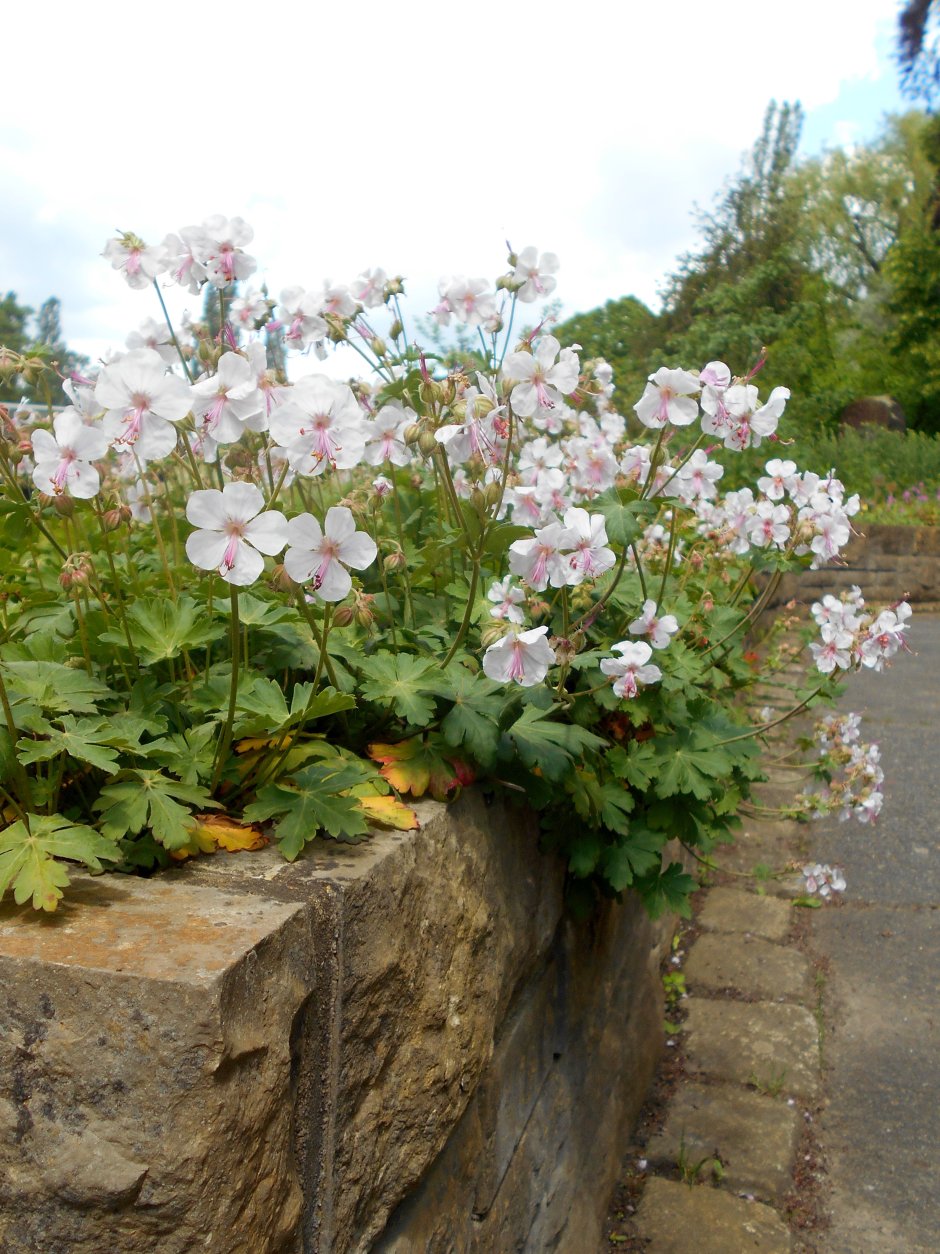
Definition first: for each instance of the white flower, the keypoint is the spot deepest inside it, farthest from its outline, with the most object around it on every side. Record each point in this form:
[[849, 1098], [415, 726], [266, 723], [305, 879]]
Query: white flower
[[319, 556], [539, 561], [369, 288], [523, 657], [182, 264], [540, 380], [667, 399], [321, 425], [219, 248], [632, 668], [233, 531], [588, 538], [63, 461], [142, 402], [535, 274], [385, 436], [228, 403], [658, 629], [155, 335], [300, 314], [139, 263], [507, 600]]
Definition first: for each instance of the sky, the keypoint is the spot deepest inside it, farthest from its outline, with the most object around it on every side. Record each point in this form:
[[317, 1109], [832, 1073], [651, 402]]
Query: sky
[[418, 137]]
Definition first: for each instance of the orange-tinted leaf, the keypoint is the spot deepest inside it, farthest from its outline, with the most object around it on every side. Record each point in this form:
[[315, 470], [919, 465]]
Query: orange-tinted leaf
[[421, 765], [388, 811], [219, 831]]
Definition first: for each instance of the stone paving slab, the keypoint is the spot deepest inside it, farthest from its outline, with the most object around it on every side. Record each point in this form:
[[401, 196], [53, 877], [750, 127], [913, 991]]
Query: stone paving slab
[[772, 843], [772, 1045], [753, 1136], [749, 964], [701, 1220], [731, 910]]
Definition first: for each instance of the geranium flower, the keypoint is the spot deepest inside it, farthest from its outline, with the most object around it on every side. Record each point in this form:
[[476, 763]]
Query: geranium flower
[[632, 668], [667, 399], [63, 461], [535, 274], [142, 402], [588, 537], [233, 531], [228, 403], [523, 657], [219, 248], [658, 629], [321, 425], [139, 263], [319, 556], [541, 381]]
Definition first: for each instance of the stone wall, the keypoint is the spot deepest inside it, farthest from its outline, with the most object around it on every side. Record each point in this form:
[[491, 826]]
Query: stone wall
[[888, 562], [403, 1045]]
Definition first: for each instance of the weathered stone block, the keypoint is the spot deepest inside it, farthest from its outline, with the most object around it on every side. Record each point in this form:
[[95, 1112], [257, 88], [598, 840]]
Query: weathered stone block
[[731, 910], [700, 1220], [772, 1046], [752, 1135], [145, 1067], [748, 964]]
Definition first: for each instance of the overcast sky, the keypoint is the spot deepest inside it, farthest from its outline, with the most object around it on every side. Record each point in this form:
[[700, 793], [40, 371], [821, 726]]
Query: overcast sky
[[415, 136]]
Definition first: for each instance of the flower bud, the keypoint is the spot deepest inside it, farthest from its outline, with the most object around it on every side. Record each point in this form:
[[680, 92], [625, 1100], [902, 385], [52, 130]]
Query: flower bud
[[447, 390], [111, 520], [343, 616], [395, 286], [365, 618], [412, 433], [378, 346], [336, 328], [65, 579], [426, 442], [428, 391], [281, 580], [492, 631], [395, 561], [64, 505], [395, 329], [491, 494]]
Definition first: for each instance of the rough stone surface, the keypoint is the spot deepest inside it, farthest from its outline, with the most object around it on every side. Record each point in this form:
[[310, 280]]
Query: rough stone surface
[[773, 1046], [547, 1116], [145, 1078], [247, 1054], [753, 1135], [748, 964], [700, 1220], [731, 910], [888, 561]]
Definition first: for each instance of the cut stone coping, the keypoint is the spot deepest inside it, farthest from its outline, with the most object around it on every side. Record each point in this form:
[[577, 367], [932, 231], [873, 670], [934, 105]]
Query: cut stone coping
[[680, 1219], [754, 1137], [774, 1046]]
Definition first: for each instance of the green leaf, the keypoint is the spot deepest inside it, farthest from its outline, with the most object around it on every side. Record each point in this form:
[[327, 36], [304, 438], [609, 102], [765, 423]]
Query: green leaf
[[473, 721], [85, 739], [684, 766], [668, 891], [623, 517], [54, 687], [29, 858], [312, 800], [162, 629], [638, 854], [584, 853], [404, 683], [551, 746], [145, 798]]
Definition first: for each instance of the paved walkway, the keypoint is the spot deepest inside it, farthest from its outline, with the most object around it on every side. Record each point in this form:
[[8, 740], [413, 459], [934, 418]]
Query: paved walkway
[[805, 1084], [881, 1125]]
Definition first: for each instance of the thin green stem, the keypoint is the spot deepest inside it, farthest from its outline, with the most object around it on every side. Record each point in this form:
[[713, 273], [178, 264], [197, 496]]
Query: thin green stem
[[176, 343], [225, 740]]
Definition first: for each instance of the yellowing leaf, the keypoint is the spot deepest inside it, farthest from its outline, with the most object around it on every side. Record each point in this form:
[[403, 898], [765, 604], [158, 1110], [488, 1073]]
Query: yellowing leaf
[[388, 811], [252, 743], [220, 831]]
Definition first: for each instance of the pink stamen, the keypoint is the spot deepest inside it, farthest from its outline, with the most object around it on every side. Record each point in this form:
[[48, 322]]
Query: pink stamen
[[517, 663], [231, 551]]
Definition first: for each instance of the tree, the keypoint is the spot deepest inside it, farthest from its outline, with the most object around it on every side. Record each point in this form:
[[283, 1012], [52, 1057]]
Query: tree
[[918, 49], [14, 319]]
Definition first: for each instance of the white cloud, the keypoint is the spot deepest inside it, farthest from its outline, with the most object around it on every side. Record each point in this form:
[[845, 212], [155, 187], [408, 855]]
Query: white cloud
[[418, 137]]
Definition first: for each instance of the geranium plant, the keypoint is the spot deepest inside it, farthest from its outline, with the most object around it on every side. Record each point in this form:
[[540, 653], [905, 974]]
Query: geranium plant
[[241, 606]]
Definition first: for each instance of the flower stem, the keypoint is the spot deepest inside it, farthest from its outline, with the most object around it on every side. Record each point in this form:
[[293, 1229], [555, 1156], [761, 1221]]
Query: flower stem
[[225, 740]]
